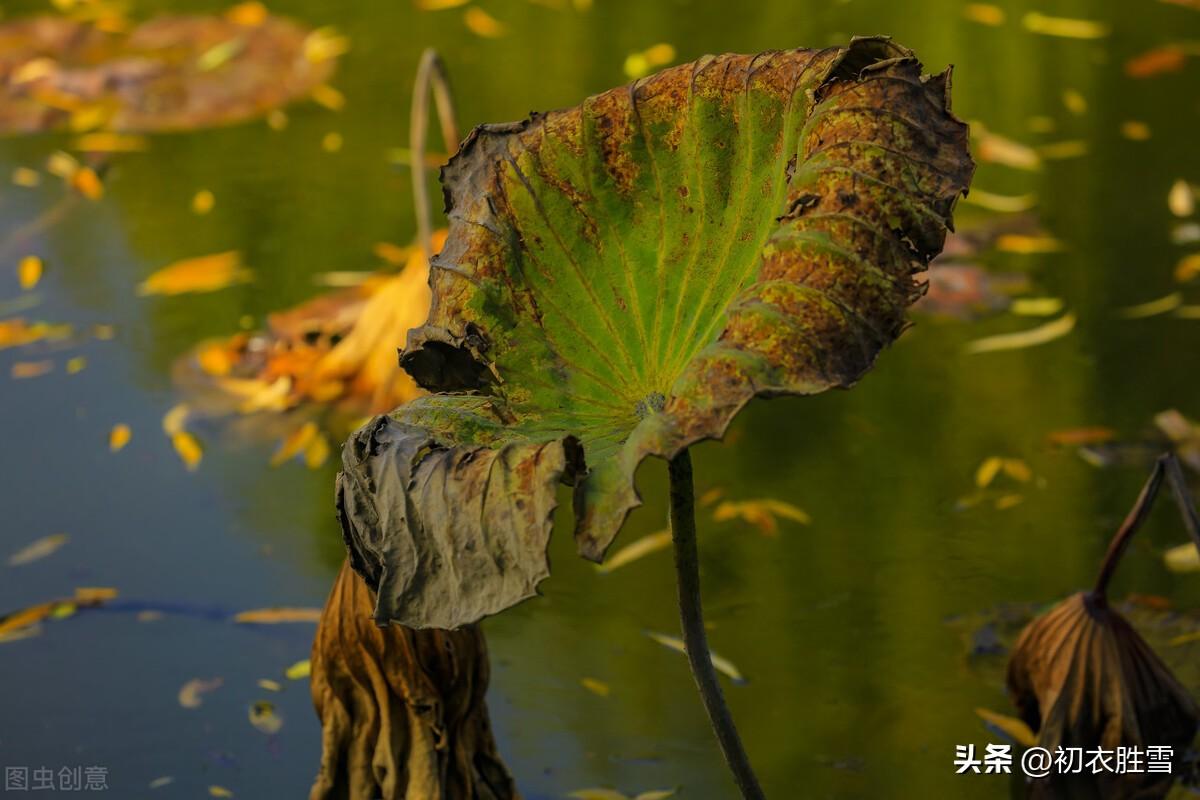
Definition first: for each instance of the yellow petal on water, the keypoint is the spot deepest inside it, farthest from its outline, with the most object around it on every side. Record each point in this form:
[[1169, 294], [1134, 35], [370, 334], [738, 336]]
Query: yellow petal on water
[[299, 671], [294, 443], [1056, 151], [87, 183], [22, 370], [1013, 728], [759, 513], [1028, 245], [1007, 501], [332, 142], [219, 791], [270, 685], [1181, 200], [325, 44], [987, 471], [327, 96], [1008, 204], [1152, 308], [61, 164], [277, 120], [267, 616], [174, 420], [268, 396], [481, 23], [191, 693], [109, 142], [651, 543], [119, 436], [641, 64], [203, 201], [264, 717], [1187, 268], [1065, 27], [1074, 101], [188, 449], [785, 510], [1028, 338], [24, 176], [984, 13], [201, 274], [596, 687], [722, 665], [1183, 558], [1017, 469], [438, 5], [38, 549], [316, 452], [248, 15], [29, 272], [1036, 306], [1135, 130], [76, 365]]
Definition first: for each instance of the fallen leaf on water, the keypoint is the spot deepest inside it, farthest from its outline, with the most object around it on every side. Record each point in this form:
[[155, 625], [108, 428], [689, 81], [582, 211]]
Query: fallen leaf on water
[[203, 201], [109, 142], [174, 420], [1007, 501], [87, 183], [1187, 268], [1028, 245], [1152, 308], [1028, 338], [30, 369], [294, 443], [264, 717], [1036, 306], [17, 332], [1181, 200], [219, 791], [641, 64], [277, 120], [17, 634], [1183, 558], [711, 496], [76, 364], [119, 436], [481, 23], [201, 274], [329, 97], [188, 449], [651, 543], [38, 549], [992, 466], [325, 44], [24, 176], [191, 693], [722, 665], [1013, 728], [270, 685], [596, 687], [158, 783], [1008, 204], [29, 272], [1160, 60], [262, 616], [316, 452], [1074, 101], [760, 513], [984, 13], [1065, 27], [997, 149], [1077, 437], [1135, 130], [299, 671]]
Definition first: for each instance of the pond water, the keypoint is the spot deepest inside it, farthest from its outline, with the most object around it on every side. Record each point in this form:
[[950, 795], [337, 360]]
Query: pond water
[[857, 685]]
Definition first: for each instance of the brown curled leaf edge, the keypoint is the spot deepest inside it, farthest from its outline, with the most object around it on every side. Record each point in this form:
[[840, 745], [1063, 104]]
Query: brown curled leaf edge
[[620, 279]]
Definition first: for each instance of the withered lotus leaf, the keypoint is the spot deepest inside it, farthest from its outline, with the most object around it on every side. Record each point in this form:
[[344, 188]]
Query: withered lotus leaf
[[620, 279], [175, 72], [1081, 676]]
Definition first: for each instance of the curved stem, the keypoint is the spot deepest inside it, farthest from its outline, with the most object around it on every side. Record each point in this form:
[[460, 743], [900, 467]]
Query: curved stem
[[1137, 515], [687, 570], [431, 75]]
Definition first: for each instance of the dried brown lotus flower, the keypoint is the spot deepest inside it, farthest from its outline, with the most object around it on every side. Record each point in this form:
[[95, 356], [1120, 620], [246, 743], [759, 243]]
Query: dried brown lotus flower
[[1081, 676]]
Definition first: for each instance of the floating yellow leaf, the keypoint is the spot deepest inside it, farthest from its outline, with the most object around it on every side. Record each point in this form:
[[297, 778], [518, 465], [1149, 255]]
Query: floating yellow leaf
[[109, 142], [1074, 101], [191, 693], [201, 274], [1055, 151], [327, 96], [29, 272], [76, 364], [119, 436], [1027, 245], [984, 13], [158, 783], [1065, 27], [722, 665], [188, 449], [1135, 130], [1183, 558], [760, 513], [294, 443], [316, 452], [1007, 501], [1181, 199], [174, 420], [203, 201], [1017, 469], [999, 202], [325, 44], [1021, 339], [220, 54], [641, 64], [1153, 308], [265, 616], [651, 543], [299, 671], [270, 685], [1187, 268], [1036, 306], [999, 149], [264, 717], [17, 332], [987, 471], [596, 687], [41, 548], [24, 176], [249, 15], [62, 164], [219, 791], [332, 142], [87, 183], [1011, 727], [481, 23], [30, 369]]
